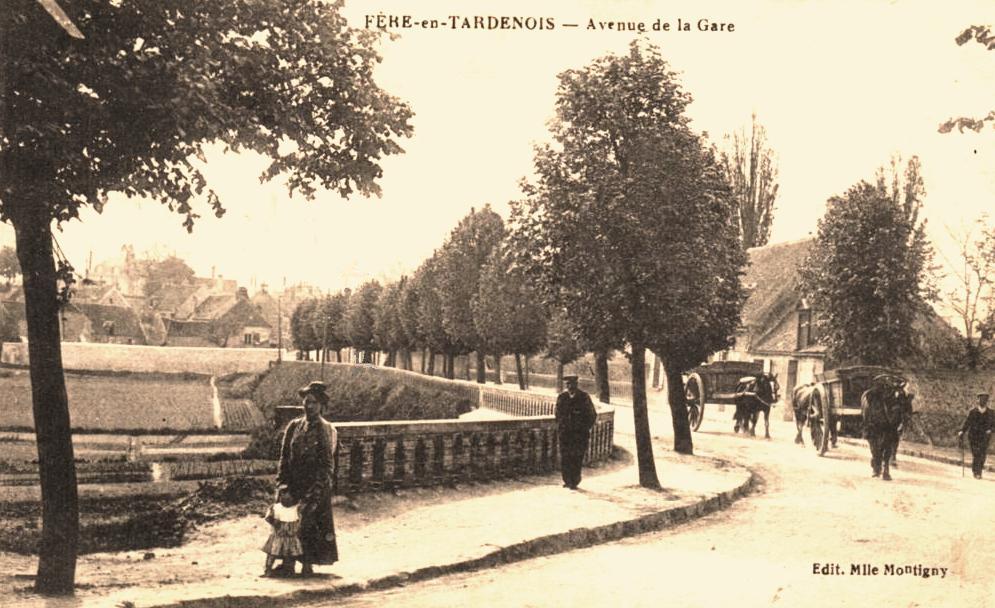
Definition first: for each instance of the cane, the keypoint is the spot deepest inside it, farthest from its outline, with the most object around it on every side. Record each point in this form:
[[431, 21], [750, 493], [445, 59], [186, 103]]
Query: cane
[[960, 440]]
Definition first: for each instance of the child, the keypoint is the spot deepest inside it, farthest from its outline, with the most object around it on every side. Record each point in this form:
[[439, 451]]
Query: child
[[283, 542]]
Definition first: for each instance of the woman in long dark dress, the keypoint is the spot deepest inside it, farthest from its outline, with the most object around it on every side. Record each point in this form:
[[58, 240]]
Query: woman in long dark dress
[[307, 468]]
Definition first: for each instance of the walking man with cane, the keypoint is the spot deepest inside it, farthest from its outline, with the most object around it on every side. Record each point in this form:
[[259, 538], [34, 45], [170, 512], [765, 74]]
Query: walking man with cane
[[575, 415], [979, 425]]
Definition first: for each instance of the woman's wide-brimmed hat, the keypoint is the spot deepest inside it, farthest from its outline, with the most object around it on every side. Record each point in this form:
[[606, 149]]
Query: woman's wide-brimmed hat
[[315, 388]]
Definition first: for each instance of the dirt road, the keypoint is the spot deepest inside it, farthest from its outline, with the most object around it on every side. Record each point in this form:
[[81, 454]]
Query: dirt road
[[819, 532]]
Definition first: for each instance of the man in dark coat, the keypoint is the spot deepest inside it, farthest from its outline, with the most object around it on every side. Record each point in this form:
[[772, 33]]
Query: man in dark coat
[[979, 425], [575, 417]]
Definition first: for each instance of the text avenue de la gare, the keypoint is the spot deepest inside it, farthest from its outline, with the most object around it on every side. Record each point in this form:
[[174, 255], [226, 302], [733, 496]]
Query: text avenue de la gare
[[920, 570], [493, 22]]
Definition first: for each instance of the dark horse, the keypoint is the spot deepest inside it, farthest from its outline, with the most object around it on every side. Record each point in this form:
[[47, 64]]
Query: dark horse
[[803, 402], [754, 394], [885, 408]]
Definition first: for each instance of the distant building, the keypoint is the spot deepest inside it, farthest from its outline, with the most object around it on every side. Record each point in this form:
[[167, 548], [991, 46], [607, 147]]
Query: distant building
[[126, 273], [778, 329], [776, 326], [276, 312], [87, 322], [221, 320]]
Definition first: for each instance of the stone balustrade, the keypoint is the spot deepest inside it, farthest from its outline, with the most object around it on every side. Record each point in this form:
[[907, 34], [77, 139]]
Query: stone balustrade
[[375, 456]]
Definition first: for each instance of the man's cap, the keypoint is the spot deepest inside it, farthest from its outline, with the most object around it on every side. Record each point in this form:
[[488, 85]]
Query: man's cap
[[570, 378], [983, 394], [314, 388]]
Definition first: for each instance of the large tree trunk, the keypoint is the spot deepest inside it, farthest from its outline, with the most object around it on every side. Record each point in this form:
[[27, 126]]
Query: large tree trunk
[[518, 372], [466, 368], [678, 411], [559, 377], [526, 357], [451, 366], [656, 371], [481, 368], [367, 356], [640, 415], [972, 351], [497, 370], [338, 356], [50, 407], [601, 376], [429, 366]]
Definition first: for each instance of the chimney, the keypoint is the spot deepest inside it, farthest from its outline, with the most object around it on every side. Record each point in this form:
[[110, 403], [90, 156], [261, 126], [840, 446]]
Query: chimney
[[242, 294]]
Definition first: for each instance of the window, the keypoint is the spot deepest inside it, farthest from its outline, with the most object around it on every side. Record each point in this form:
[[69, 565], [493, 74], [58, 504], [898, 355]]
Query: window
[[247, 339], [804, 329]]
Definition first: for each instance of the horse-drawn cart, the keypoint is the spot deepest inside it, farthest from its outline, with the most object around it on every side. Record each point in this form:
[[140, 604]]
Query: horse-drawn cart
[[834, 399], [715, 383]]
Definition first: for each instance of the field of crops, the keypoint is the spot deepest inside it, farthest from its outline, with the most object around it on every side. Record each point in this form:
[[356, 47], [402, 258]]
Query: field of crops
[[115, 403], [240, 415]]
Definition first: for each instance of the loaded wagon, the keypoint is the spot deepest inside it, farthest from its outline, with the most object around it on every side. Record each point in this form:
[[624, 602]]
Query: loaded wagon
[[835, 402], [715, 383]]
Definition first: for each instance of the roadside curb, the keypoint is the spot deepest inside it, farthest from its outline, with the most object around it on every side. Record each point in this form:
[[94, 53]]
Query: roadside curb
[[552, 544]]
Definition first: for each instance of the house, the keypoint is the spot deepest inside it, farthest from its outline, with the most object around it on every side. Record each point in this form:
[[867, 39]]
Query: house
[[776, 326], [188, 333], [170, 300], [276, 313], [221, 320], [777, 323], [126, 272], [86, 322], [99, 293], [105, 323]]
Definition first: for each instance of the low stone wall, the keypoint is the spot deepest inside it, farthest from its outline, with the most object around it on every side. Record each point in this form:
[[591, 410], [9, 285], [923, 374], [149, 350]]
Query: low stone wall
[[376, 456], [383, 455]]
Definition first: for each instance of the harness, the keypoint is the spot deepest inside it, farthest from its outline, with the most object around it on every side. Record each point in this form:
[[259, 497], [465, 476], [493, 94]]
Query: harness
[[749, 385]]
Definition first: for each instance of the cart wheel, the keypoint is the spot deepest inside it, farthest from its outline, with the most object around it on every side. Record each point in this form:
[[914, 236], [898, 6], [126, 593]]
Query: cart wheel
[[696, 405], [818, 417]]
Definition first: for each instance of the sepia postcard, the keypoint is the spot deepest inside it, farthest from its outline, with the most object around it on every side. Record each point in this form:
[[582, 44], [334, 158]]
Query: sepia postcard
[[189, 336]]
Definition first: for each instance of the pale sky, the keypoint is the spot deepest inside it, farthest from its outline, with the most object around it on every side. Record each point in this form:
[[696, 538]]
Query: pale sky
[[840, 87]]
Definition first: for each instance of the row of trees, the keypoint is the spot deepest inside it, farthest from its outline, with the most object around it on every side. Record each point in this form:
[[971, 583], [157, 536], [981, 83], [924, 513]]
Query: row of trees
[[631, 238], [10, 268], [469, 297]]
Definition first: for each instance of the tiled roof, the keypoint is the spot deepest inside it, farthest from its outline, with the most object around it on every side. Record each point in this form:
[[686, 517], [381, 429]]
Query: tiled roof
[[213, 307], [124, 320], [772, 282]]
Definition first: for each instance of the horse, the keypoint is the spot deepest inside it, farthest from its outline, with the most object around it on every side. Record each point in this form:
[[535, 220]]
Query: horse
[[908, 394], [754, 394], [884, 407], [803, 404], [801, 401]]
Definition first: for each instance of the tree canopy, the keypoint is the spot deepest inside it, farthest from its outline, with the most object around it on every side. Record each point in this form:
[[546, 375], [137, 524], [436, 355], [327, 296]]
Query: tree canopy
[[360, 318], [131, 108], [750, 167], [9, 266], [630, 225], [867, 274], [169, 271], [972, 296], [983, 35], [508, 314], [461, 260]]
